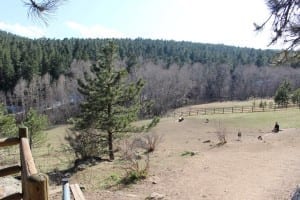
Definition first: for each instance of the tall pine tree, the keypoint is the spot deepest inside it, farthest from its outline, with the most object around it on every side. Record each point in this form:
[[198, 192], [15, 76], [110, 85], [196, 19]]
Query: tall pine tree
[[282, 94], [112, 103]]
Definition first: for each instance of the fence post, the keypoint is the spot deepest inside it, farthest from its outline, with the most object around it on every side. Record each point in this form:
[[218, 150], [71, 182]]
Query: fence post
[[38, 186], [34, 184], [252, 108], [23, 133], [232, 109], [242, 109]]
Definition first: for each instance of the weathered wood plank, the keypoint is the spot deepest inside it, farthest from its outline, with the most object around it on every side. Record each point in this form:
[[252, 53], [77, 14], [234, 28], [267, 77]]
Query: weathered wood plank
[[9, 141], [27, 161], [10, 170], [15, 196], [76, 191]]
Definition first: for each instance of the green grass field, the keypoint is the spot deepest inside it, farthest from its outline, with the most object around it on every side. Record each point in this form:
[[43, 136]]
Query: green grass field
[[289, 118]]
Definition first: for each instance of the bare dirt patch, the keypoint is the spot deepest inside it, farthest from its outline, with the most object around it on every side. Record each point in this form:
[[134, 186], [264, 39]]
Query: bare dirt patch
[[245, 169]]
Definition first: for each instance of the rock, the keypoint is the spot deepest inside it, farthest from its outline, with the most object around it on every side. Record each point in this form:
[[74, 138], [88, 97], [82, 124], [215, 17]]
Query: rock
[[82, 167], [206, 141], [155, 196], [259, 137], [154, 179], [67, 175]]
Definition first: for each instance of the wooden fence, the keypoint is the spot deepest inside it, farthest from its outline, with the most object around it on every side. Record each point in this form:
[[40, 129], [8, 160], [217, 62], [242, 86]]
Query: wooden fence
[[229, 110], [34, 184]]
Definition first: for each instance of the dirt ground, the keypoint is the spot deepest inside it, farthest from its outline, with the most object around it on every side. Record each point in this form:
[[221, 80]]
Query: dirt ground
[[247, 169]]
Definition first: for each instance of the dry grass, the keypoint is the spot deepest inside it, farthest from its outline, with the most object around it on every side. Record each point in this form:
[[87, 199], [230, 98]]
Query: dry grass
[[221, 132], [166, 161], [250, 102]]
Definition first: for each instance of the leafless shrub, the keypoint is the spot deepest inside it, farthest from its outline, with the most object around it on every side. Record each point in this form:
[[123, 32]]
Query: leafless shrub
[[136, 162], [221, 134], [136, 170], [128, 150], [148, 142], [138, 165]]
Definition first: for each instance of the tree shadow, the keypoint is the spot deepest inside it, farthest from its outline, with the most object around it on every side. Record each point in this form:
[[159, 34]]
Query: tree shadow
[[56, 175]]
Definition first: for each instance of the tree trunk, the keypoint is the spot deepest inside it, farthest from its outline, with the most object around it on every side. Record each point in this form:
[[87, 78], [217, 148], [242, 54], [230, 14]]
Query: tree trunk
[[110, 146]]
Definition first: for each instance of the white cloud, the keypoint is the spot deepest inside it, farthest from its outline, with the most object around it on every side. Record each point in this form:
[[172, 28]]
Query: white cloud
[[26, 31], [94, 31]]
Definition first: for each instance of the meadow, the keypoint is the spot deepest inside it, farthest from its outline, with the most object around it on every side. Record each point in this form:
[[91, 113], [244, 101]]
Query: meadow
[[188, 162]]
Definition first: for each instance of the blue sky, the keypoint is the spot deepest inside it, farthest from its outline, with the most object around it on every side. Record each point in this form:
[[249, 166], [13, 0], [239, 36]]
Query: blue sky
[[227, 22]]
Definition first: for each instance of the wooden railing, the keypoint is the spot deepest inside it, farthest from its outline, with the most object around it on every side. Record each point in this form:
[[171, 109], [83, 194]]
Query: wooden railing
[[34, 184], [228, 110]]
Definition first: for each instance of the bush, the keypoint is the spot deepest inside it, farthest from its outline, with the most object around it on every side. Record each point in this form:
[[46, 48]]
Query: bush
[[148, 142], [7, 123], [261, 104], [87, 143], [134, 175], [270, 104], [113, 180], [221, 134], [296, 97], [282, 94], [36, 123], [137, 162]]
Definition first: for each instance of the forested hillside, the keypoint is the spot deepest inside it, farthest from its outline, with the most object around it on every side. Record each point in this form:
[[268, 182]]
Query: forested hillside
[[22, 57], [43, 72]]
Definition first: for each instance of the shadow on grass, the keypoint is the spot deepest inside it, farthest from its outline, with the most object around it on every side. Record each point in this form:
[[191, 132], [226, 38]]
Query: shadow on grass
[[56, 175]]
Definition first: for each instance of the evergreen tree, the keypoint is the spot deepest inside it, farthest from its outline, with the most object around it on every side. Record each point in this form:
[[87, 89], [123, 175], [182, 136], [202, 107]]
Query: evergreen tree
[[111, 103], [7, 123], [296, 97], [36, 123], [282, 93]]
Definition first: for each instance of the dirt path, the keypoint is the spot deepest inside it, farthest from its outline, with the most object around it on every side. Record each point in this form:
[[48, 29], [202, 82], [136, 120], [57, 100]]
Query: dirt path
[[248, 169]]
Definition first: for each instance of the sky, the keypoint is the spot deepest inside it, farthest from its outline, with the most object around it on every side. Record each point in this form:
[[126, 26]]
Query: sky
[[228, 22]]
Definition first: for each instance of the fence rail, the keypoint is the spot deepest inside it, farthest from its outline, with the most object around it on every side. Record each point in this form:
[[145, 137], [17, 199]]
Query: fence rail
[[230, 110], [34, 184]]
